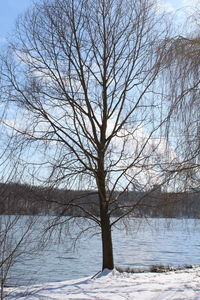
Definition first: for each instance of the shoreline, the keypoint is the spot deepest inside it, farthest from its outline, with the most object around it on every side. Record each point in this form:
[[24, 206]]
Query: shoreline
[[115, 285]]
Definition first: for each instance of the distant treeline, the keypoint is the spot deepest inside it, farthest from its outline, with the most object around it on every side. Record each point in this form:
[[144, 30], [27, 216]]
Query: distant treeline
[[31, 200]]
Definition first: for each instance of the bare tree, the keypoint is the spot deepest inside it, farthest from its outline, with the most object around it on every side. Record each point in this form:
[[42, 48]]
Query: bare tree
[[17, 243], [183, 84], [86, 100]]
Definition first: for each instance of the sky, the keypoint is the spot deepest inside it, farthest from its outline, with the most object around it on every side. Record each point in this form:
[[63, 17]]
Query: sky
[[11, 9]]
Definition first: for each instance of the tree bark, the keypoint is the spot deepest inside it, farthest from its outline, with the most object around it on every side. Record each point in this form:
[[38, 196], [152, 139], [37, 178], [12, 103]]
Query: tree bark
[[107, 250]]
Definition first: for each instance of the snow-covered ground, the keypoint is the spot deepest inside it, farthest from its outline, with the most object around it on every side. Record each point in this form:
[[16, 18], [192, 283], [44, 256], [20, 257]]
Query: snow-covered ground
[[184, 284]]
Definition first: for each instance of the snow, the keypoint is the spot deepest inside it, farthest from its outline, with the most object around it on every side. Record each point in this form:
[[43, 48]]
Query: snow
[[182, 284]]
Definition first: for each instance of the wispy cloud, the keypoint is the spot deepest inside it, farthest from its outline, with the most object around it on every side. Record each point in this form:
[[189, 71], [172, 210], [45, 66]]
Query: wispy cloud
[[165, 6], [191, 5]]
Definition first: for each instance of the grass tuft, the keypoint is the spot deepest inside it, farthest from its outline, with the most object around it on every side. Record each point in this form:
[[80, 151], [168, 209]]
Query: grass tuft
[[154, 269]]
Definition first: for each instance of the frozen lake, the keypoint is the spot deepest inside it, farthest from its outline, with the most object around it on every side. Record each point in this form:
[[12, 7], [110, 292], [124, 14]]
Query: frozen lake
[[147, 242]]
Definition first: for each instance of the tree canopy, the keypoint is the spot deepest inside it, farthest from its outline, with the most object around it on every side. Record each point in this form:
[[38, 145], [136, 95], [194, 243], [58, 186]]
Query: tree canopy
[[87, 103]]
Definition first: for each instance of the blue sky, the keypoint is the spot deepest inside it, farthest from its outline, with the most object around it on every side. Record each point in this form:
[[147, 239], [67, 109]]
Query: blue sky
[[10, 9]]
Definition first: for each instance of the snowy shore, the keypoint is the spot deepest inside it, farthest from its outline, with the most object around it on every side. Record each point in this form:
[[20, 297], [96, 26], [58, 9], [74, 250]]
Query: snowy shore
[[179, 285]]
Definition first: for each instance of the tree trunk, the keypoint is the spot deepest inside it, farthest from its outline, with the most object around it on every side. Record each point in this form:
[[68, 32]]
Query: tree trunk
[[107, 250]]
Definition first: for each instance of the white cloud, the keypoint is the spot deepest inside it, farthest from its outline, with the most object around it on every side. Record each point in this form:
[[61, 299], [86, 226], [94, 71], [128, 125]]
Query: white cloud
[[181, 12], [184, 6], [147, 154], [191, 4], [165, 6]]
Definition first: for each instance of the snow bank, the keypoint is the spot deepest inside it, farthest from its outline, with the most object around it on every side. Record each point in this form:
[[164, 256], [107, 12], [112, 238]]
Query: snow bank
[[184, 284]]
